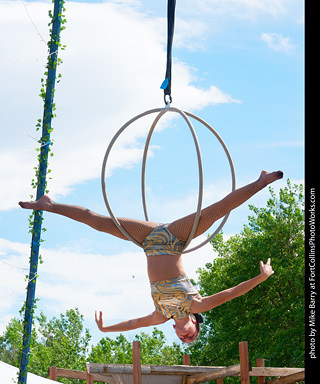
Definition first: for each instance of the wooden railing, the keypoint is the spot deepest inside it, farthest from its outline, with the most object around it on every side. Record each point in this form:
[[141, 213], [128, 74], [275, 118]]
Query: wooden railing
[[190, 374]]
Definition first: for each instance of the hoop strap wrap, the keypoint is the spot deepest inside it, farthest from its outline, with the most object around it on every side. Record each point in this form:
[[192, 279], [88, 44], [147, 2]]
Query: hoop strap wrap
[[166, 85]]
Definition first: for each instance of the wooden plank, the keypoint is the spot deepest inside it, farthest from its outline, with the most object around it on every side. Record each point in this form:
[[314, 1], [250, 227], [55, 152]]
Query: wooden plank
[[232, 370], [103, 378], [184, 369], [300, 376], [136, 355], [273, 371], [149, 369], [71, 374], [114, 368], [180, 369], [261, 379], [244, 362]]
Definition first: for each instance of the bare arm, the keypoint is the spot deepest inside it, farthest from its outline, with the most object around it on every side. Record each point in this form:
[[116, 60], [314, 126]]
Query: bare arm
[[153, 318], [207, 303]]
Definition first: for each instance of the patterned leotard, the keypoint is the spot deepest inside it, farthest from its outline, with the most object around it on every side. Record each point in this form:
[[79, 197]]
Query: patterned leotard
[[162, 242], [173, 297]]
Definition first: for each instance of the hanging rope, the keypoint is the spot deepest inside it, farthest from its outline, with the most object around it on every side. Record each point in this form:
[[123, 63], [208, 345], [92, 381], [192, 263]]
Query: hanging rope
[[166, 85]]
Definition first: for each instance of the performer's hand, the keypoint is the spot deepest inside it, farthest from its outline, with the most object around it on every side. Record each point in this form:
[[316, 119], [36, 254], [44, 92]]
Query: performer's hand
[[266, 269], [99, 320]]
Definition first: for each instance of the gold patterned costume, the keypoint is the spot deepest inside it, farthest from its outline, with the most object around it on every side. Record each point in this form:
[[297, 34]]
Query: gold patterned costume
[[173, 297], [162, 242]]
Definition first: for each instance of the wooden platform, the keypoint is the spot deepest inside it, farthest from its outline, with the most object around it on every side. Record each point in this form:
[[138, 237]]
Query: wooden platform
[[180, 374]]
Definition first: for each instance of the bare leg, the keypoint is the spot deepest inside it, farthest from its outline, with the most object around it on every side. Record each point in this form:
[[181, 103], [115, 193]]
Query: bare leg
[[182, 227], [139, 230]]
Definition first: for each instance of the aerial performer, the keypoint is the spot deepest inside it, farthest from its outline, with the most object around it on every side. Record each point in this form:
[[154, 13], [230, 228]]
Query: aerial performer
[[173, 294]]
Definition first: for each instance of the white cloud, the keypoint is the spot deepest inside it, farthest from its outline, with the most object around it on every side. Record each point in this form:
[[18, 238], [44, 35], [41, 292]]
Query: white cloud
[[278, 42], [112, 70], [190, 34], [243, 9]]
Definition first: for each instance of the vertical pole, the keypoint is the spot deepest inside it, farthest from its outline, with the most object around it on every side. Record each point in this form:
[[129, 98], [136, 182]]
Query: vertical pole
[[186, 360], [89, 377], [261, 379], [244, 362], [41, 186], [137, 379]]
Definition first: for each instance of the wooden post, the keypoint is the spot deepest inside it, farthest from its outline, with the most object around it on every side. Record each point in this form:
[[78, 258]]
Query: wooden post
[[219, 381], [261, 379], [137, 379], [244, 362], [53, 373], [186, 360], [89, 378]]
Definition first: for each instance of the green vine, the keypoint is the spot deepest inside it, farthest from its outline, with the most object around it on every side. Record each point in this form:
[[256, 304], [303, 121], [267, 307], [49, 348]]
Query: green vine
[[41, 171], [40, 181], [52, 63]]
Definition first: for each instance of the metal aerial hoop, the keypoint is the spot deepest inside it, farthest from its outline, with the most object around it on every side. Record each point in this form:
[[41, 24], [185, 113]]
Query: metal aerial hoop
[[166, 85]]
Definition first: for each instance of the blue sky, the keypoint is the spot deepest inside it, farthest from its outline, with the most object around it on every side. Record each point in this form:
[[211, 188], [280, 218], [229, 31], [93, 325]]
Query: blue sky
[[239, 65]]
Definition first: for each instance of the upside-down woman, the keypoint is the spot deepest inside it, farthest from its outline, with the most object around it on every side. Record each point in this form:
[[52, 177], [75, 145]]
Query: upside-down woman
[[172, 292]]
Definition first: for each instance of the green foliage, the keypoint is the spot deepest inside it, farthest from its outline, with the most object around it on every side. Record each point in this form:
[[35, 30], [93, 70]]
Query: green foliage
[[271, 316], [64, 343], [116, 351], [58, 342], [10, 343], [153, 350]]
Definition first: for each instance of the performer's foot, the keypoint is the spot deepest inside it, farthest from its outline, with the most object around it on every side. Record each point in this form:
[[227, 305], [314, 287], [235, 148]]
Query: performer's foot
[[268, 178], [43, 204]]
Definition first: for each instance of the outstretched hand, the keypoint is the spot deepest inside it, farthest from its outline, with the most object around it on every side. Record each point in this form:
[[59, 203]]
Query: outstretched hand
[[99, 320], [266, 269]]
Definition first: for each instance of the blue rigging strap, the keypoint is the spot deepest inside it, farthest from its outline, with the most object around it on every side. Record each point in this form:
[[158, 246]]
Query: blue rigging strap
[[166, 85]]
